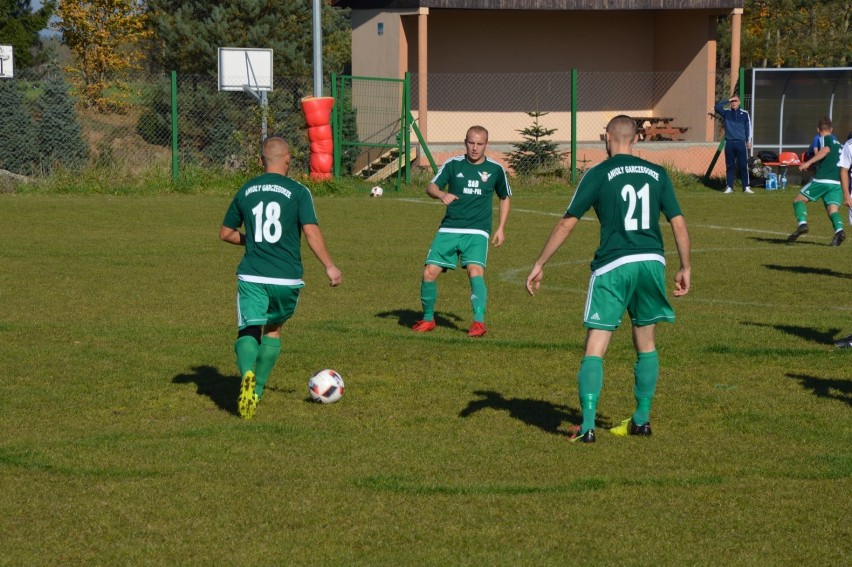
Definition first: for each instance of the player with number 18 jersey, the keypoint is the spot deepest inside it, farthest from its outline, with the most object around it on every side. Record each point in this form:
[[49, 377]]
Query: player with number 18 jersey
[[274, 208]]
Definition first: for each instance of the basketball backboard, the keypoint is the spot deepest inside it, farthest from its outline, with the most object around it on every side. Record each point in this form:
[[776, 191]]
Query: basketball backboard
[[7, 62], [242, 68]]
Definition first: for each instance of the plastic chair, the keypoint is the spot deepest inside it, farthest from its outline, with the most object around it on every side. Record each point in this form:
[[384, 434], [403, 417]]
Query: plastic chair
[[785, 160], [788, 158]]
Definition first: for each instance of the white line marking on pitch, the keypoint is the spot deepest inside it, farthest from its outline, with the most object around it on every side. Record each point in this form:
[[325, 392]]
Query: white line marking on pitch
[[559, 215]]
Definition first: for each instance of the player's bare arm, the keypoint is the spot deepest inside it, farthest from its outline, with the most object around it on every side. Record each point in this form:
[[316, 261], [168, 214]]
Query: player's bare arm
[[499, 235], [844, 183], [315, 240], [436, 193], [821, 153], [232, 236], [558, 236], [683, 277]]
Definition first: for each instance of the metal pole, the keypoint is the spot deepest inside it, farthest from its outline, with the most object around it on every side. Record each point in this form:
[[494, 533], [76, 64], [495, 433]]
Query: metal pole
[[574, 81], [174, 128], [264, 114], [317, 48]]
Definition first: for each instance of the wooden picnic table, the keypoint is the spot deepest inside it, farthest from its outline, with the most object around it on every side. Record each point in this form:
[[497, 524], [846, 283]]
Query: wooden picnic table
[[658, 128]]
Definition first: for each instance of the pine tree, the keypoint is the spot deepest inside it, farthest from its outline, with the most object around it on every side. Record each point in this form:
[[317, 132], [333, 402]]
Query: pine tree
[[60, 135], [535, 155], [18, 138]]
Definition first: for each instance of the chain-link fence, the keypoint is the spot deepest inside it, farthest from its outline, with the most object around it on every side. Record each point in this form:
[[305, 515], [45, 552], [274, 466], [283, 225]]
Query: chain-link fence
[[215, 130], [529, 117]]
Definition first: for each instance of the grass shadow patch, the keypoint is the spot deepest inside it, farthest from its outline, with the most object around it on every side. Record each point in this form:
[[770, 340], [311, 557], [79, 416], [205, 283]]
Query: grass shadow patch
[[829, 388], [222, 390], [757, 352], [547, 416]]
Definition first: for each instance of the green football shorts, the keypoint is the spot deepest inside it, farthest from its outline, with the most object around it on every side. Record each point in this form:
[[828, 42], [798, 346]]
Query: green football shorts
[[637, 287], [448, 247], [830, 193], [261, 304]]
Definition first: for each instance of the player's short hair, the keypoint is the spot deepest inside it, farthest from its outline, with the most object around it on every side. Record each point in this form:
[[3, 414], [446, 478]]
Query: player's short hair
[[477, 130], [622, 128], [824, 123], [275, 148]]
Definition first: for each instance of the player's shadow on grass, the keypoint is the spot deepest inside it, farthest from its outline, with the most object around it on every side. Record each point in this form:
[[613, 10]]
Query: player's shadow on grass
[[830, 388], [807, 333], [546, 416], [223, 390], [807, 270], [785, 242], [407, 318]]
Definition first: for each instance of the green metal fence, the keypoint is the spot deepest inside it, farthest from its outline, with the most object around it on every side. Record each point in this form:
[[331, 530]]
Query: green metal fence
[[176, 122]]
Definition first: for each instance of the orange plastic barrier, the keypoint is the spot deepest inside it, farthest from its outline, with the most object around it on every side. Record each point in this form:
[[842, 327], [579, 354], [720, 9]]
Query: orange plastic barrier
[[318, 116]]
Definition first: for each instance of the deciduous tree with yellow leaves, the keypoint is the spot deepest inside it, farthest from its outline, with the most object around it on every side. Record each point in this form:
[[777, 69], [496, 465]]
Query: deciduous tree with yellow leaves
[[104, 37]]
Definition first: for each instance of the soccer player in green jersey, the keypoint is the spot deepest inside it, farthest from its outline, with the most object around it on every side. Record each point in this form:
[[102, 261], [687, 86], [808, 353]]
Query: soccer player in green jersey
[[471, 180], [825, 185], [275, 211], [628, 270]]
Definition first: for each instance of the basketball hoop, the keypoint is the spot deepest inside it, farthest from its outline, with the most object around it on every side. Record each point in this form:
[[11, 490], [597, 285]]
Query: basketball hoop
[[249, 70], [7, 62]]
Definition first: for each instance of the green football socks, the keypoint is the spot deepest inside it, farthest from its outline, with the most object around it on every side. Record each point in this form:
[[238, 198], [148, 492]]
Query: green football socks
[[428, 298], [801, 210], [246, 348], [590, 380], [478, 297], [645, 373], [836, 221], [267, 354]]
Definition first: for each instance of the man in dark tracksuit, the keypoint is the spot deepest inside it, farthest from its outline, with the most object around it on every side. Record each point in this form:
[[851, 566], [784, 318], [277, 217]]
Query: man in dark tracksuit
[[737, 142]]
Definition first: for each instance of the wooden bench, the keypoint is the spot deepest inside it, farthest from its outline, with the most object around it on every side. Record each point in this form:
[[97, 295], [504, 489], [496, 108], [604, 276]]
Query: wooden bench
[[665, 133]]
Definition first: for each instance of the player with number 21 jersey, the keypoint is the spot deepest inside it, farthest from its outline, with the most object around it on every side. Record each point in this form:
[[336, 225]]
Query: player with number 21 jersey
[[627, 194]]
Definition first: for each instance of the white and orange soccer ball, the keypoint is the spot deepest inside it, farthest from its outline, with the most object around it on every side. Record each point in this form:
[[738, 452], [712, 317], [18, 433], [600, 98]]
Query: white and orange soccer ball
[[326, 386], [376, 191]]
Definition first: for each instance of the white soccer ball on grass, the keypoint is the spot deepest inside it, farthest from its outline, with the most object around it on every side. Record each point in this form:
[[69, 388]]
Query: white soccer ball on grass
[[376, 191], [326, 386]]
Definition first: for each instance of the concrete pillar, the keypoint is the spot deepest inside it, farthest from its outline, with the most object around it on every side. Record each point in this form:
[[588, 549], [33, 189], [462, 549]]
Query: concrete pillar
[[422, 76], [736, 34]]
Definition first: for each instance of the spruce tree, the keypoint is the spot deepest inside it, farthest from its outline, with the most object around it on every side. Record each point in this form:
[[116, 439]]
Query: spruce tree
[[60, 136], [18, 137], [535, 155], [187, 33]]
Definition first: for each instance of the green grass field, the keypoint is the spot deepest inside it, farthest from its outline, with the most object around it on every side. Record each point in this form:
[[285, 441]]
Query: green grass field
[[119, 443]]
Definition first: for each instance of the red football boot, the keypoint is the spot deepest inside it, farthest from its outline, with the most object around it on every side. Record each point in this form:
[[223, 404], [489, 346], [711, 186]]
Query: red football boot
[[477, 329], [423, 326]]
